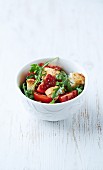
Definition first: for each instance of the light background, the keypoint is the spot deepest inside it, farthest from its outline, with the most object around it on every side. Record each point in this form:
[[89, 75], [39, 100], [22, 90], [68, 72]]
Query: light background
[[32, 29]]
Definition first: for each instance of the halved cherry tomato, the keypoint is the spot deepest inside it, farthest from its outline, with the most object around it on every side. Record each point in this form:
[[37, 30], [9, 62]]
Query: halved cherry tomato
[[68, 96], [42, 98]]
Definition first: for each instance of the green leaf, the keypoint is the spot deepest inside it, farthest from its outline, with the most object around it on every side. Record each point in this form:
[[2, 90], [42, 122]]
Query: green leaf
[[56, 93], [53, 101], [38, 73], [64, 80], [38, 80], [35, 68], [79, 89], [58, 83], [31, 76], [28, 93], [62, 76], [69, 88]]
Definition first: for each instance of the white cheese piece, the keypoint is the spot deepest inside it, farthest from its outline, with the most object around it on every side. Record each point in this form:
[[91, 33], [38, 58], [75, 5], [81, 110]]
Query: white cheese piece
[[30, 84]]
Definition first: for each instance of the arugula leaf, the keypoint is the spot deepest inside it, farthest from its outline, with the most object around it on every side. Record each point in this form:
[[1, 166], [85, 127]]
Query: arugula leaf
[[35, 68], [38, 73], [57, 91], [79, 89], [62, 76], [28, 93], [38, 80], [31, 76], [64, 80], [69, 87], [53, 101], [58, 83]]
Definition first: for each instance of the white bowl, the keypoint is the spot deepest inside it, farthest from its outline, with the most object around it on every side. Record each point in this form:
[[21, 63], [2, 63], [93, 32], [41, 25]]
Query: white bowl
[[58, 111]]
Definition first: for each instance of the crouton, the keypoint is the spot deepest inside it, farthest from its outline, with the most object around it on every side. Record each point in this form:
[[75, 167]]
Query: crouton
[[50, 91], [76, 79], [30, 84], [51, 71]]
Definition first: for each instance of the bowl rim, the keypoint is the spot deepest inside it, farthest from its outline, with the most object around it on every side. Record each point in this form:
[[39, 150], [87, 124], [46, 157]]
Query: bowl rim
[[55, 104]]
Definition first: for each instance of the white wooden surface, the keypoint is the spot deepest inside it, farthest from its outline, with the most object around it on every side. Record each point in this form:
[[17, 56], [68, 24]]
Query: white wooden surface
[[70, 29]]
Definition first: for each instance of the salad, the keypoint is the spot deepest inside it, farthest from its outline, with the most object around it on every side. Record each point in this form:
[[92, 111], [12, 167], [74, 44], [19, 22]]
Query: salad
[[49, 83]]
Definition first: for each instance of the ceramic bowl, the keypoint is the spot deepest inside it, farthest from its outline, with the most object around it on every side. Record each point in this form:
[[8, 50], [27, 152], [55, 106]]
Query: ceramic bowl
[[58, 111]]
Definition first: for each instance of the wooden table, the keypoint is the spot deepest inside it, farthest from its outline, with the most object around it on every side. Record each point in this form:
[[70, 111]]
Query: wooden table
[[70, 29]]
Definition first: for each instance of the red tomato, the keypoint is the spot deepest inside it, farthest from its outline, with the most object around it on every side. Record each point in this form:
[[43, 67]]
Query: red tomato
[[41, 64], [54, 67], [48, 82], [50, 66], [42, 98], [68, 96], [30, 73], [41, 88]]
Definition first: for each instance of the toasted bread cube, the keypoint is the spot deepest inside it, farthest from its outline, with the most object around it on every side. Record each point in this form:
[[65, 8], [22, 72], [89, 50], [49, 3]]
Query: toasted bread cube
[[50, 91], [30, 84], [76, 79], [51, 71]]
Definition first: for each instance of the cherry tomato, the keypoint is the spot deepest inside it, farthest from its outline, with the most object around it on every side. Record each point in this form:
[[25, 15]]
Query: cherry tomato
[[42, 98], [41, 64], [68, 96]]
